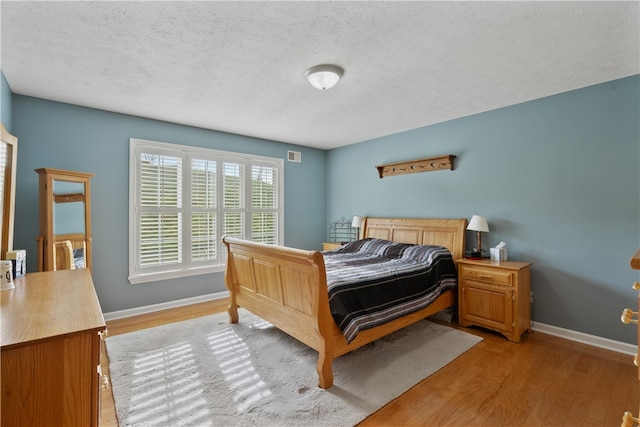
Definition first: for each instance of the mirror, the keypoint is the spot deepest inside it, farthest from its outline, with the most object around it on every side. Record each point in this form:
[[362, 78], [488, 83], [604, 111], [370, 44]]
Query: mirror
[[65, 220], [8, 164], [69, 223]]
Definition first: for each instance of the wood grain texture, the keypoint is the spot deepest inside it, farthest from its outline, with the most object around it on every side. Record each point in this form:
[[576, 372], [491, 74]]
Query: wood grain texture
[[635, 260], [257, 276], [9, 170], [542, 381], [47, 305], [50, 350], [495, 295], [414, 166], [47, 177]]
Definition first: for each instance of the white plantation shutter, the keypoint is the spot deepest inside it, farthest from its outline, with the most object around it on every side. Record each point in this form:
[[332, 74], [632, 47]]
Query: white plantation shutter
[[203, 210], [184, 199], [264, 201], [160, 210], [233, 181], [234, 199]]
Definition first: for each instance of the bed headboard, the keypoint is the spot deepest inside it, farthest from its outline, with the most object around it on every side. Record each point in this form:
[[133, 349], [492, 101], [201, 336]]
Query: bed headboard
[[446, 232]]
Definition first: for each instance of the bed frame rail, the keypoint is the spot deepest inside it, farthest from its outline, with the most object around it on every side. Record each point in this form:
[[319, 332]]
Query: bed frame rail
[[287, 287]]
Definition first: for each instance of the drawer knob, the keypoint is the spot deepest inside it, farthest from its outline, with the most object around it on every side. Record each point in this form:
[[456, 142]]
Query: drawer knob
[[105, 382], [628, 420], [627, 316], [636, 286], [635, 359]]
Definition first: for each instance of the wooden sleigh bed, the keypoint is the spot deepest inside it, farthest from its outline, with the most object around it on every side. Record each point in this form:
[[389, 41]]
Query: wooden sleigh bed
[[288, 287]]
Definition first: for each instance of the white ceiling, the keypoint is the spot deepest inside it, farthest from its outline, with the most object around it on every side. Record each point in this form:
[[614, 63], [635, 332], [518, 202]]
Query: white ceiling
[[239, 66]]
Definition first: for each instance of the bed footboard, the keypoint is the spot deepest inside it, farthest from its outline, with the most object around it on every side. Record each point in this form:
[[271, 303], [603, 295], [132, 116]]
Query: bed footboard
[[286, 287]]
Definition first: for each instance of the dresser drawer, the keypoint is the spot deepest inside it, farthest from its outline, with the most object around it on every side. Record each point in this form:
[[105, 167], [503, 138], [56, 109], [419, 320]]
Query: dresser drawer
[[487, 274]]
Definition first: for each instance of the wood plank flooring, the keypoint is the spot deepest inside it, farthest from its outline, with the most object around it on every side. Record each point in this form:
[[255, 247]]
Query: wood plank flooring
[[542, 381]]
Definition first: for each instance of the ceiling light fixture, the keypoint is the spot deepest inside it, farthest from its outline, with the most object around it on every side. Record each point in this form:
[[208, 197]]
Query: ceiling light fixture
[[324, 76]]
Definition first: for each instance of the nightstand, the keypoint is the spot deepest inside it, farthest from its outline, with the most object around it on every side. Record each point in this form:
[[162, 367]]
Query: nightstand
[[328, 246], [495, 295]]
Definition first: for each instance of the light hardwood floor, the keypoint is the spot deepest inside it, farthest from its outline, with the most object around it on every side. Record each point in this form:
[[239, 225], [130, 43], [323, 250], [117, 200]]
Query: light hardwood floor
[[542, 381]]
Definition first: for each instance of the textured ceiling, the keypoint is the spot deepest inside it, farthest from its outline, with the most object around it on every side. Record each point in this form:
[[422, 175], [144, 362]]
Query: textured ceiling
[[239, 66]]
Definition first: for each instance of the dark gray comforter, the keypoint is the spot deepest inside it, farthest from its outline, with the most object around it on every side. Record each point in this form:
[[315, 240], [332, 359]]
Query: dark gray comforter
[[374, 281]]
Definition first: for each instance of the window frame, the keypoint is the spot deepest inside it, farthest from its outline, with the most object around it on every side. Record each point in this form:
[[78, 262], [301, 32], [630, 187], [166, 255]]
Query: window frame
[[185, 268]]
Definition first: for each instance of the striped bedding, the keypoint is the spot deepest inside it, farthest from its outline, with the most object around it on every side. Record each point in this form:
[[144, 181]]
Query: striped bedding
[[374, 281]]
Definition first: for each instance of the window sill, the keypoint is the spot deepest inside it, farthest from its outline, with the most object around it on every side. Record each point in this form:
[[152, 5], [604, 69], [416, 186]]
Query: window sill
[[177, 274]]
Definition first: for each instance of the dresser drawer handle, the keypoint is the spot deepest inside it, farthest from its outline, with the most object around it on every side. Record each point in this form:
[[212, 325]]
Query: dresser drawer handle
[[635, 359], [628, 420], [105, 382], [627, 316], [636, 286]]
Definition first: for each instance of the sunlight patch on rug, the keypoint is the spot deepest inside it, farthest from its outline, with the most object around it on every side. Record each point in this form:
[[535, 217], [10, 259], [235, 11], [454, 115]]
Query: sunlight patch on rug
[[232, 356], [166, 378], [206, 372]]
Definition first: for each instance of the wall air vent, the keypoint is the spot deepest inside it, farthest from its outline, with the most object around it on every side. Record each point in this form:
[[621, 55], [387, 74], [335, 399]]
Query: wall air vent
[[294, 156]]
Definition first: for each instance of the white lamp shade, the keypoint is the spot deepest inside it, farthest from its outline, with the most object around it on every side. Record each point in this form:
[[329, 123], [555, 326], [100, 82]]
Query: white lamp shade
[[357, 221], [478, 223], [324, 77]]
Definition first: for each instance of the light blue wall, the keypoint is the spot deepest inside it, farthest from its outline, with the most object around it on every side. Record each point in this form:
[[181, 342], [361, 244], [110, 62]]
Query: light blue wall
[[6, 111], [64, 136], [558, 179]]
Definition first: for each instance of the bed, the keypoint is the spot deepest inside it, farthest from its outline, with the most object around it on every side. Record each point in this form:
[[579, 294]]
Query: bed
[[287, 287]]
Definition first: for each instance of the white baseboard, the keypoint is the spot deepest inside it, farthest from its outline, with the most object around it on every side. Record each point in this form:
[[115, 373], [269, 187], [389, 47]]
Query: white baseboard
[[620, 347], [568, 334], [121, 314]]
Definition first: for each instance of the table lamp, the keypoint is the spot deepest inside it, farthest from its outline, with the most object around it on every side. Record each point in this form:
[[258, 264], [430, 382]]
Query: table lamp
[[357, 223], [478, 224]]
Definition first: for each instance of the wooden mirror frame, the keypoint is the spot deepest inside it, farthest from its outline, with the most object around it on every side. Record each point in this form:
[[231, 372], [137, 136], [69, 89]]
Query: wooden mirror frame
[[53, 251], [8, 191]]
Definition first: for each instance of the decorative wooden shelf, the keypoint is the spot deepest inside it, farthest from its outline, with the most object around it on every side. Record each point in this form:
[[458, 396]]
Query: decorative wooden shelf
[[414, 166]]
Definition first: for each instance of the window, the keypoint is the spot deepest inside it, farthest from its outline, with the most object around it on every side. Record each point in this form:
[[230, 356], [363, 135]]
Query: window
[[184, 199]]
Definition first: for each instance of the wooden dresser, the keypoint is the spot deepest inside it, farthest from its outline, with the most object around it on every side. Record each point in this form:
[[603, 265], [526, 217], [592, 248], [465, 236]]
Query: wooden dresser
[[51, 337], [627, 317]]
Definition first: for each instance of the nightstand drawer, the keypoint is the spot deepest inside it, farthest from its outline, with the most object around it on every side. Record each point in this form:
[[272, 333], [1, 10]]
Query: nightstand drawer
[[329, 246], [484, 274]]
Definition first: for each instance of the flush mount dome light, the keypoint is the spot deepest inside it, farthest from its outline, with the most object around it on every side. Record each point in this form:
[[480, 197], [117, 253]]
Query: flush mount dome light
[[324, 76]]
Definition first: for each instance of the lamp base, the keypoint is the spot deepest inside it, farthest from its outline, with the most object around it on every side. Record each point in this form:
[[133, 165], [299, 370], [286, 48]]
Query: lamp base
[[473, 254]]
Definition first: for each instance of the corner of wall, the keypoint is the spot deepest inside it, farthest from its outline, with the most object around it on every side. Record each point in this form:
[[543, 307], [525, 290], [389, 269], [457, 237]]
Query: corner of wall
[[6, 98]]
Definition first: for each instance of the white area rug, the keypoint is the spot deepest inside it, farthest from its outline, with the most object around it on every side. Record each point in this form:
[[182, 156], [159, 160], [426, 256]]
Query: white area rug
[[207, 372]]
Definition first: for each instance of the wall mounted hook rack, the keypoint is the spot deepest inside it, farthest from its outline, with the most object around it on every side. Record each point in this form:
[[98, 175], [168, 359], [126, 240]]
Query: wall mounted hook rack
[[414, 166]]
